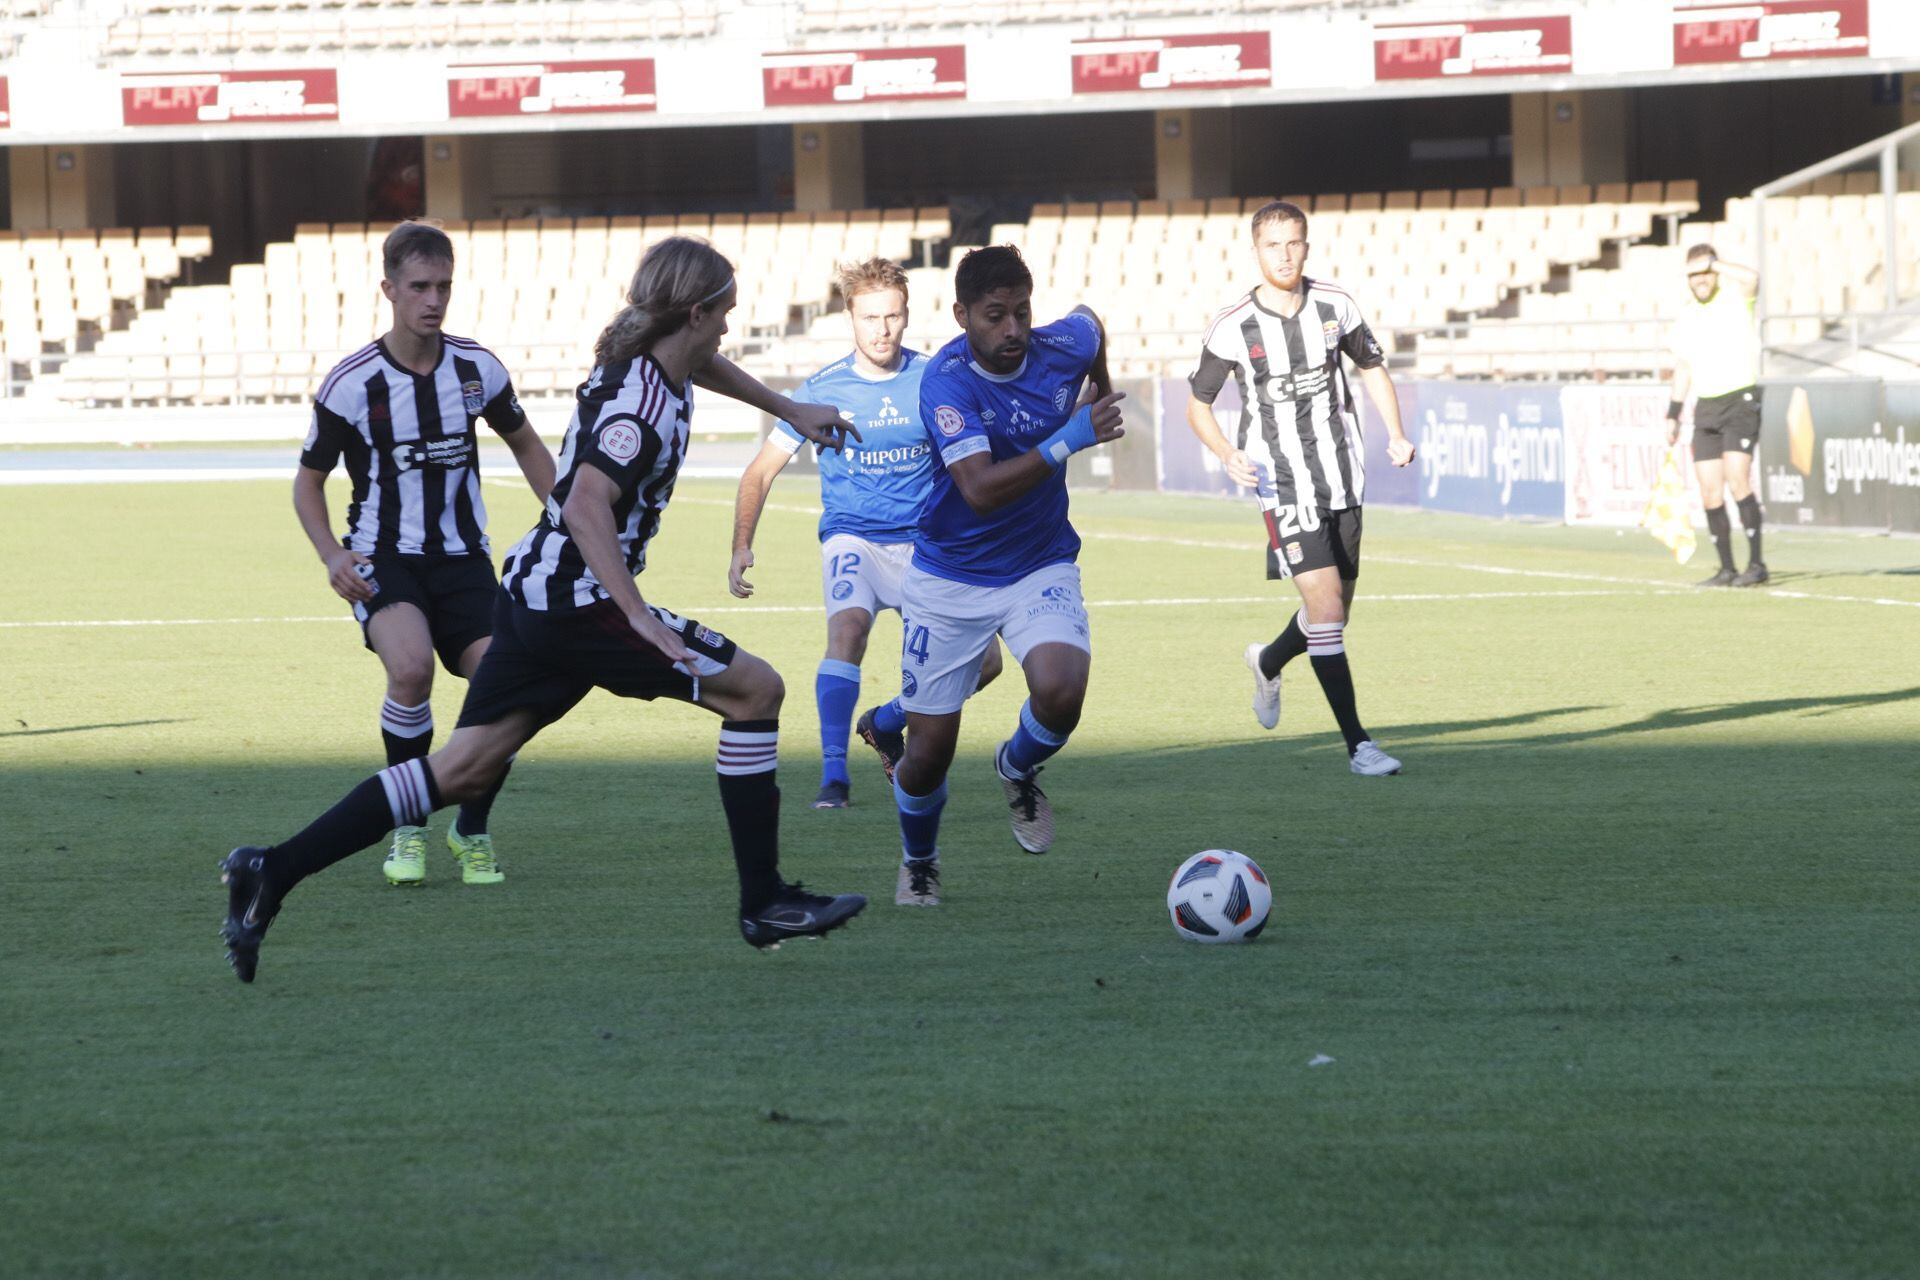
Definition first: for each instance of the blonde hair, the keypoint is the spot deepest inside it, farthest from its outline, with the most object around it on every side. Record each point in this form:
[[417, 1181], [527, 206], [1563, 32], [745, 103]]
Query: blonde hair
[[871, 276], [675, 275]]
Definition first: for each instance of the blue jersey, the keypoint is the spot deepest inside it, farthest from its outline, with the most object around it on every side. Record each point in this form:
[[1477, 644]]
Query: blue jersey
[[968, 410], [874, 487]]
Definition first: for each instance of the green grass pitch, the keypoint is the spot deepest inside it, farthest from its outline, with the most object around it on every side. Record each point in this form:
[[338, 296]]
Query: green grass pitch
[[1619, 978]]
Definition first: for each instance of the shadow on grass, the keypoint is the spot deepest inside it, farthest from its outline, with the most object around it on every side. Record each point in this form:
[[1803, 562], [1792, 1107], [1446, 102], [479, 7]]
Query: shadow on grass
[[1716, 713], [85, 728]]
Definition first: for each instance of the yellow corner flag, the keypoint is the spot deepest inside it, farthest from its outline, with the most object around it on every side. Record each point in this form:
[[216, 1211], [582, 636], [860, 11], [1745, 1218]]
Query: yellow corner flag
[[1666, 516]]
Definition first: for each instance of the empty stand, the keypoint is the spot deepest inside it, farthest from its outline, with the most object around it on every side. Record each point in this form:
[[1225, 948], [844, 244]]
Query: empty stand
[[57, 288]]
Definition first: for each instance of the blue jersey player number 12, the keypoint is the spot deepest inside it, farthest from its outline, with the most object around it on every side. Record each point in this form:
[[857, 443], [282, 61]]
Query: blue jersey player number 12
[[994, 553]]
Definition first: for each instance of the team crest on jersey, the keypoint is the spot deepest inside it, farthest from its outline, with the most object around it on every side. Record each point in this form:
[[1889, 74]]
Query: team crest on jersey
[[1060, 398], [1330, 330], [620, 442], [475, 396], [948, 419]]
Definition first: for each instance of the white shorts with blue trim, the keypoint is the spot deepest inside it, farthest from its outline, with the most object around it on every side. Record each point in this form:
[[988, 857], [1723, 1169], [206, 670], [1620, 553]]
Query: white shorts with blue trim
[[946, 627], [857, 574]]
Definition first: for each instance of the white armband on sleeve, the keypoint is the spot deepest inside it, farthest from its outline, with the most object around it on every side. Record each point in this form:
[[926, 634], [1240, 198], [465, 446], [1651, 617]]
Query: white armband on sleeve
[[787, 444], [964, 449]]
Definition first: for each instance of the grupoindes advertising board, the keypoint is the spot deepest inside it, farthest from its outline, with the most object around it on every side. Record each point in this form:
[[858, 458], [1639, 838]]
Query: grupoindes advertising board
[[1769, 30], [550, 88], [1223, 60], [281, 95], [848, 76], [1481, 47]]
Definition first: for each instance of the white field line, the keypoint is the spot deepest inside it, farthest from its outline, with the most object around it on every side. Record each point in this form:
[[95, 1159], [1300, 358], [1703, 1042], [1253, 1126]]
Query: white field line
[[1158, 602]]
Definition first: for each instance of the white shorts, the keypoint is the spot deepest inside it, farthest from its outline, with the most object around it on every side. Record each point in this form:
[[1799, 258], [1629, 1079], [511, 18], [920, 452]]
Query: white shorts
[[947, 626], [857, 574]]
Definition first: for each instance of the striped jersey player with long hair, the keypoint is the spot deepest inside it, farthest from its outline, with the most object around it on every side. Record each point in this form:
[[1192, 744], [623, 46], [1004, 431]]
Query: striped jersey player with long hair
[[570, 617], [1298, 447]]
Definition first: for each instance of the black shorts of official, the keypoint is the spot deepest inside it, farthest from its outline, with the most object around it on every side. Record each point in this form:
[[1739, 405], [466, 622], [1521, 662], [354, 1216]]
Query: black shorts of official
[[547, 660], [454, 592], [1726, 424], [1332, 543]]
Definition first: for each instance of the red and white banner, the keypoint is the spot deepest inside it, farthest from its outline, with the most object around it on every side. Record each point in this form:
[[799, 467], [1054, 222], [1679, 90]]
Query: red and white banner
[[847, 76], [1772, 29], [229, 97], [1616, 439], [1226, 60], [550, 88], [6, 109], [1484, 47]]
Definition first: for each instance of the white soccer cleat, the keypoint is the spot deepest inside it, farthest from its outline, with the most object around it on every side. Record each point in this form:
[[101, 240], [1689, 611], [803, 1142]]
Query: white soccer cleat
[[1266, 693], [1370, 761]]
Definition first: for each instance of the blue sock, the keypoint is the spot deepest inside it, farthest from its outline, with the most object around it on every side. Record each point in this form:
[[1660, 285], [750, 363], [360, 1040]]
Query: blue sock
[[836, 690], [1031, 744], [920, 822], [889, 718]]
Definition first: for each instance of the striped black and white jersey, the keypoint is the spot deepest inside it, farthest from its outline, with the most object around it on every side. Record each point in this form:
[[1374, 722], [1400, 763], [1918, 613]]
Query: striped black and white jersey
[[410, 447], [630, 422], [1293, 388]]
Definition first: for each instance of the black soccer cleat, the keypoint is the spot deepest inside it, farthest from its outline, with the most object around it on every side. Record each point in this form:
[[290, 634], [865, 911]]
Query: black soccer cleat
[[890, 746], [252, 903], [795, 913], [1753, 575], [833, 795], [1724, 578]]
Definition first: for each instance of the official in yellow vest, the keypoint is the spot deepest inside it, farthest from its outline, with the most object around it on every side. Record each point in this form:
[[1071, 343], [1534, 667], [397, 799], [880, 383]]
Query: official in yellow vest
[[1716, 353]]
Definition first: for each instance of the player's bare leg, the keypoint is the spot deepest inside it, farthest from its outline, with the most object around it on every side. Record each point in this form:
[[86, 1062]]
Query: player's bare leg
[[920, 793], [400, 636], [1056, 690], [1326, 602], [884, 727], [747, 697]]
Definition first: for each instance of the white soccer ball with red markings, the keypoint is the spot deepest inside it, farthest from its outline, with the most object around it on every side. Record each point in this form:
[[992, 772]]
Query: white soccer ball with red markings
[[1218, 895]]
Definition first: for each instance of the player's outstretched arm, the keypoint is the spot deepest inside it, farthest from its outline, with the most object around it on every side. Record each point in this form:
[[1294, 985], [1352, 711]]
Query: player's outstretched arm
[[820, 423], [1379, 385], [1206, 426], [755, 483], [588, 515], [310, 505], [988, 485], [531, 455]]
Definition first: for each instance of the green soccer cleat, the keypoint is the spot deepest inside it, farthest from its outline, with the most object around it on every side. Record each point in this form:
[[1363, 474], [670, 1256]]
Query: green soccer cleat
[[407, 861], [477, 863]]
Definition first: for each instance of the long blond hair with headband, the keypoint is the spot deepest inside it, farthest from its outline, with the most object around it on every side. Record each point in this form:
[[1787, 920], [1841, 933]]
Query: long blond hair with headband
[[675, 275]]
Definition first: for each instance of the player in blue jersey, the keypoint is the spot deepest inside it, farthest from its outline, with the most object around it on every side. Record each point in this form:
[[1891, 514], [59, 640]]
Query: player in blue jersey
[[871, 492], [994, 554]]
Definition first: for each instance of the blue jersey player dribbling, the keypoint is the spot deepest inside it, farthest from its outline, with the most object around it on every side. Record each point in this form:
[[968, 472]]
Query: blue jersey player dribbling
[[995, 553], [871, 493]]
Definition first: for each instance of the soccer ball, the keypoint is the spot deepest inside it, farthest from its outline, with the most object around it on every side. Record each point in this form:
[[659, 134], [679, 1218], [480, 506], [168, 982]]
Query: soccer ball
[[1218, 895]]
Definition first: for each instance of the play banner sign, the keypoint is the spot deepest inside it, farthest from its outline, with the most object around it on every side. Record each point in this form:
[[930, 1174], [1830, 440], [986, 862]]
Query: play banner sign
[[849, 76], [1483, 47], [1772, 29], [229, 97], [550, 88], [1226, 60]]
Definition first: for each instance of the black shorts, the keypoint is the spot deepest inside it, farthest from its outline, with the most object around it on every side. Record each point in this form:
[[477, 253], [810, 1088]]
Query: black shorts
[[454, 592], [1333, 541], [1726, 424], [547, 660]]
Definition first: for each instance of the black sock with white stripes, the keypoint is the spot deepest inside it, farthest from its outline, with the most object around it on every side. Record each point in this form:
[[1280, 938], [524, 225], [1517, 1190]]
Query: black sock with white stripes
[[402, 796], [407, 731], [749, 751], [472, 819], [1327, 650], [1286, 646], [1750, 521]]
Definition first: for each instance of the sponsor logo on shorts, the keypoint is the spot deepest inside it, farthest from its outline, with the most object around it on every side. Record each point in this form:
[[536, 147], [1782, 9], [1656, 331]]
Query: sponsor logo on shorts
[[1057, 592], [948, 419], [620, 442], [908, 685], [475, 396], [1060, 397], [1294, 554], [842, 589]]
